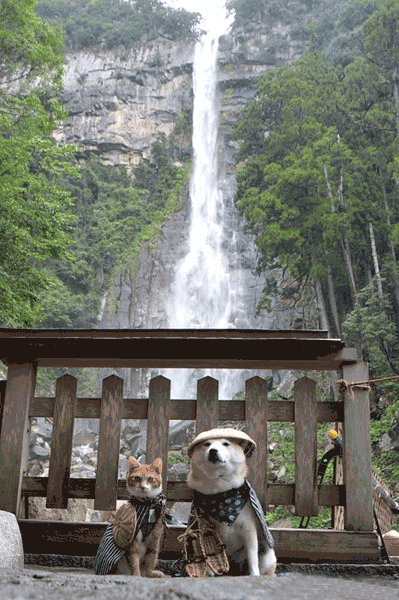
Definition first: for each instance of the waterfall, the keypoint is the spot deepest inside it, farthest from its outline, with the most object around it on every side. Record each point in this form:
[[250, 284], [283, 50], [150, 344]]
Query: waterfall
[[204, 294]]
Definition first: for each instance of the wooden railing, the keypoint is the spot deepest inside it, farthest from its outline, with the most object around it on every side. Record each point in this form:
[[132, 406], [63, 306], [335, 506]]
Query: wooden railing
[[255, 411], [24, 351]]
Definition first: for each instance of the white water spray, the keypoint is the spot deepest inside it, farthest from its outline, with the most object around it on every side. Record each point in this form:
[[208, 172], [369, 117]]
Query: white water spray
[[204, 295]]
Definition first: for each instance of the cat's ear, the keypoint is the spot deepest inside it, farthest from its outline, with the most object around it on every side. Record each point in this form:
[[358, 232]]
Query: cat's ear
[[133, 463], [157, 465]]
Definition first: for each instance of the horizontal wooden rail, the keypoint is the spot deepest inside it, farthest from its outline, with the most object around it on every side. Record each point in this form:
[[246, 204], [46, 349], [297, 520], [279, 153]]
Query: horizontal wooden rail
[[82, 539], [229, 410], [177, 491]]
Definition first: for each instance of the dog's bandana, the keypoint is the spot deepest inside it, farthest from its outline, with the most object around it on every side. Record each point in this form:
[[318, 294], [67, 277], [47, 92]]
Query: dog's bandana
[[147, 514], [226, 506]]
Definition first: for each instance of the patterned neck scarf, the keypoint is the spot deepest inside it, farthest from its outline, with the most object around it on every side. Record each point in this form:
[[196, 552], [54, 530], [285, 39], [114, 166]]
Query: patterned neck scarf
[[224, 506], [148, 511]]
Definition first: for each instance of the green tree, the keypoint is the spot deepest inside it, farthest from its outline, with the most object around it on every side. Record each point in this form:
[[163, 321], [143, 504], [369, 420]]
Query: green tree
[[116, 22], [314, 183], [34, 217]]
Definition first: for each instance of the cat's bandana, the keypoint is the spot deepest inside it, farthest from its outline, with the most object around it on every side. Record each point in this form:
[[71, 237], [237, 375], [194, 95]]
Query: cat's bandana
[[147, 514]]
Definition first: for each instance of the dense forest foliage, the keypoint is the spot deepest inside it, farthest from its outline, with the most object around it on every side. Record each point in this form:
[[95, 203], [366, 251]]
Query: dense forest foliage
[[64, 226], [318, 184], [330, 27], [35, 217], [116, 22]]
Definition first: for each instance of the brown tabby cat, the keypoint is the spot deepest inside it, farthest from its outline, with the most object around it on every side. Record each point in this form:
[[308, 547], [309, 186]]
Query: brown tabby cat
[[144, 483]]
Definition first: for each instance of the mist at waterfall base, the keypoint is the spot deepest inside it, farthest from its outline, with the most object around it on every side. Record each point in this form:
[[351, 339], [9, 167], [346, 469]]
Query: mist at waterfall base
[[205, 293]]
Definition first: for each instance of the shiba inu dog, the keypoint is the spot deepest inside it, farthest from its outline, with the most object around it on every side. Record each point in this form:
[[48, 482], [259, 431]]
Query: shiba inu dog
[[222, 495]]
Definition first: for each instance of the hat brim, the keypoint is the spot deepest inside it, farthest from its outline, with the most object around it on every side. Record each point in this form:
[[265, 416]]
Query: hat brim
[[228, 433]]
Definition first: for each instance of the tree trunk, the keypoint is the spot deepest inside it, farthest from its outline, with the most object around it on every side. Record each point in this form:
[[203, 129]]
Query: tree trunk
[[333, 303], [396, 100], [375, 261], [322, 307], [344, 238]]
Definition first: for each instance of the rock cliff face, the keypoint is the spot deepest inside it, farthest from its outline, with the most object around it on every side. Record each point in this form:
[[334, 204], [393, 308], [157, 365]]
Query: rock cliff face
[[120, 100]]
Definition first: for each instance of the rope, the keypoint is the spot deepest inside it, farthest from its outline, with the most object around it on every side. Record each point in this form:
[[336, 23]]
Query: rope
[[345, 386]]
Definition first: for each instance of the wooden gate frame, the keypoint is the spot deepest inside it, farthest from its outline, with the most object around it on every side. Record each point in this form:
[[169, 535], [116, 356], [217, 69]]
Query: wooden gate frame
[[23, 351]]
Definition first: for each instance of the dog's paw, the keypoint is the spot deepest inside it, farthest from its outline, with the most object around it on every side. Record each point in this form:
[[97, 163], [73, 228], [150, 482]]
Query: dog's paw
[[155, 574]]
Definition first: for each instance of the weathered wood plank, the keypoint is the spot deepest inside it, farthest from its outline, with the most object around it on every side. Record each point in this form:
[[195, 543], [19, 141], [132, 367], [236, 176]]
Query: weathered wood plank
[[61, 442], [137, 334], [190, 349], [306, 495], [298, 545], [319, 544], [229, 410], [177, 491], [158, 423], [82, 539], [109, 443], [357, 451], [207, 404], [3, 385], [256, 415], [14, 433]]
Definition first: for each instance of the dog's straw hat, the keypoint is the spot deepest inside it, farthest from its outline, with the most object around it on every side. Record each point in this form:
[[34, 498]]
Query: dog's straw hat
[[227, 433]]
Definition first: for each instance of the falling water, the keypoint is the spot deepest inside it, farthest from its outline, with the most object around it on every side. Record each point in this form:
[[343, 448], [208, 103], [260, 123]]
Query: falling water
[[204, 295]]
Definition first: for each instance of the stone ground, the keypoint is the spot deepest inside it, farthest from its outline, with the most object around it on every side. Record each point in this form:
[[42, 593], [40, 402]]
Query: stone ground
[[323, 583]]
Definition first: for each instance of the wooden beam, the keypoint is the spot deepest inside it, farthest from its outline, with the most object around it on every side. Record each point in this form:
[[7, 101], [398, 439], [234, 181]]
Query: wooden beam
[[306, 496], [82, 539], [207, 405], [322, 544], [3, 385], [158, 423], [177, 491], [357, 451], [229, 410], [9, 333], [61, 442], [109, 444], [230, 349], [14, 433], [256, 417]]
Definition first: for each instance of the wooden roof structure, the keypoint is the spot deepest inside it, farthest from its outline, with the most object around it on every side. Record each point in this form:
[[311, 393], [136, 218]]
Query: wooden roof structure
[[175, 348]]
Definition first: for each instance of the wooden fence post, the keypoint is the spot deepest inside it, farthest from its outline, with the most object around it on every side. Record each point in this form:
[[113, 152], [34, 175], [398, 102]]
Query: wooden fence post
[[256, 406], [61, 442], [158, 423], [20, 388], [357, 451], [306, 485], [3, 385], [207, 413], [106, 491]]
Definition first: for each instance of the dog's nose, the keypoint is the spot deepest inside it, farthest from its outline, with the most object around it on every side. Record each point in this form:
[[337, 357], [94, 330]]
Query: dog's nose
[[213, 455]]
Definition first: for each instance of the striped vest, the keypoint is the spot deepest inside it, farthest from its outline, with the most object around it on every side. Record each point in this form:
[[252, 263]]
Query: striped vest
[[108, 553]]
